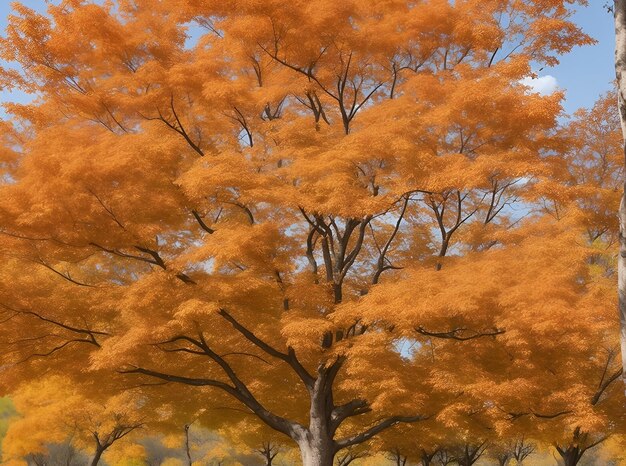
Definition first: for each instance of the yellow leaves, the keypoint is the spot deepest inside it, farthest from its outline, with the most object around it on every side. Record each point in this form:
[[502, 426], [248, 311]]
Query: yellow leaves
[[172, 462], [54, 409]]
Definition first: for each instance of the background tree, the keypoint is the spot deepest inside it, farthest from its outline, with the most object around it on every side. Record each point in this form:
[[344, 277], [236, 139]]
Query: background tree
[[53, 412]]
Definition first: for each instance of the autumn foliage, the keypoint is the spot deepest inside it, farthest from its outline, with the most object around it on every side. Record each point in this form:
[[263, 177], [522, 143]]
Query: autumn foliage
[[340, 227]]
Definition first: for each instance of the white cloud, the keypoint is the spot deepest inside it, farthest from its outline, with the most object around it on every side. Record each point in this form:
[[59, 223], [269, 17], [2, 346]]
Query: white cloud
[[543, 85]]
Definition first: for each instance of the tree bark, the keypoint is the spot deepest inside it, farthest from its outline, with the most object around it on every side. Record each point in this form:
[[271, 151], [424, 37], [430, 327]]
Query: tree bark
[[97, 456], [317, 446], [619, 11], [571, 456], [316, 453]]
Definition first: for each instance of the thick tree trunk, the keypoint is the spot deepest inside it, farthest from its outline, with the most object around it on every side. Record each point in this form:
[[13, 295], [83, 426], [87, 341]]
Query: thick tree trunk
[[316, 453], [571, 456], [317, 446], [619, 11]]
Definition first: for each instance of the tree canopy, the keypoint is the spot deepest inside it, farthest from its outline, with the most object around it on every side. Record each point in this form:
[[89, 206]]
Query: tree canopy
[[330, 225]]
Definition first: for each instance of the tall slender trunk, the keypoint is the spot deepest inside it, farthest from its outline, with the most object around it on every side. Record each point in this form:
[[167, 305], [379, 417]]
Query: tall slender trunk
[[187, 448], [619, 11]]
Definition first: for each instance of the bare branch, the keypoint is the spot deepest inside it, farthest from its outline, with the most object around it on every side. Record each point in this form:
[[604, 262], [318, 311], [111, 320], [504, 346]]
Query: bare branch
[[200, 221]]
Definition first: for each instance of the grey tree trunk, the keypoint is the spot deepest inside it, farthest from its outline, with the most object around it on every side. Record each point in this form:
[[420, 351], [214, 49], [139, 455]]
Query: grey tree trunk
[[316, 453], [317, 446], [619, 11]]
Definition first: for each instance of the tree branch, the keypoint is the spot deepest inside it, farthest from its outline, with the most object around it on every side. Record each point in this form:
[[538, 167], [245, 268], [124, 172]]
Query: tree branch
[[289, 357], [457, 334], [376, 429]]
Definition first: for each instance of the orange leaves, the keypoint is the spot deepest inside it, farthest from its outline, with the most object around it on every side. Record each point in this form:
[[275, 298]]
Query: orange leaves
[[305, 331], [314, 186]]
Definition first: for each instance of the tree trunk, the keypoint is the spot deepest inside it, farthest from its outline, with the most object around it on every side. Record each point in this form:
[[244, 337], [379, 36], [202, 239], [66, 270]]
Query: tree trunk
[[97, 456], [471, 454], [187, 449], [619, 11], [316, 452], [571, 456], [396, 457], [317, 446], [268, 452], [426, 457]]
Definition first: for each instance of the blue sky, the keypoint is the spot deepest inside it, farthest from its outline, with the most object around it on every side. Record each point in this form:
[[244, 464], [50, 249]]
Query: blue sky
[[584, 74], [588, 71]]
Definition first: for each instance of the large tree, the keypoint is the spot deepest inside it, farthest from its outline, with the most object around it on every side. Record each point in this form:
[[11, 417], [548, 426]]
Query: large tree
[[305, 210]]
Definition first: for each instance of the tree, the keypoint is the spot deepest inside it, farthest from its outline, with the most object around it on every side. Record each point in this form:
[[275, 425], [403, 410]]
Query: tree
[[468, 454], [397, 458], [517, 449], [619, 11], [444, 458], [54, 413], [350, 455], [522, 450], [596, 168], [187, 445], [246, 214], [194, 445], [62, 454], [268, 451]]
